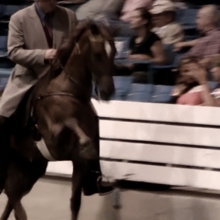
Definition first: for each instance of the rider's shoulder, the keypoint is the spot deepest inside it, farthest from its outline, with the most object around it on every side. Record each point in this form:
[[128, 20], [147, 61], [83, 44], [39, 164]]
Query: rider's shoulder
[[22, 13]]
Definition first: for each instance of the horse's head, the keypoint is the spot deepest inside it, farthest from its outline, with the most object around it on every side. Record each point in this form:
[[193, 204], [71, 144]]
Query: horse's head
[[101, 58], [95, 44]]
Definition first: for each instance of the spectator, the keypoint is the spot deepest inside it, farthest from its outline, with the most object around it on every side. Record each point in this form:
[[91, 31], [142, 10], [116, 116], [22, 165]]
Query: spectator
[[145, 45], [180, 4], [209, 98], [164, 25], [187, 90], [99, 9], [209, 45], [132, 5]]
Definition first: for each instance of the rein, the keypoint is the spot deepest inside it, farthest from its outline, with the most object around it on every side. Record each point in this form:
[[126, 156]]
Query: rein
[[40, 97], [72, 80]]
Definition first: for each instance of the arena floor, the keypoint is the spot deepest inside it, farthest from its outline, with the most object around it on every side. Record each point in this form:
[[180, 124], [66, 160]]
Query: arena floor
[[49, 200]]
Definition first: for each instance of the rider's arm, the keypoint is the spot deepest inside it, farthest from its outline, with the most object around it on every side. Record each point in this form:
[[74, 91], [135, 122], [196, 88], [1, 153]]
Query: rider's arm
[[16, 51]]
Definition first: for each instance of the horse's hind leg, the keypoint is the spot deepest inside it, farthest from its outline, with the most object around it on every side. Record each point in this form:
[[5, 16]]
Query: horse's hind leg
[[77, 183], [19, 211], [7, 211], [22, 175]]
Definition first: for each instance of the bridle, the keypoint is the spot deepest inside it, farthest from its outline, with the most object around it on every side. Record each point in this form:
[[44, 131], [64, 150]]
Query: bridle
[[71, 79]]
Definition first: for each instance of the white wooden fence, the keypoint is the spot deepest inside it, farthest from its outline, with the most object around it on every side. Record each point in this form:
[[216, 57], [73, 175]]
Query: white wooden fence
[[157, 143]]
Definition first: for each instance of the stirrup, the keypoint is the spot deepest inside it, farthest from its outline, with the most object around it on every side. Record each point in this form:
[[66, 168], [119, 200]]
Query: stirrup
[[101, 188]]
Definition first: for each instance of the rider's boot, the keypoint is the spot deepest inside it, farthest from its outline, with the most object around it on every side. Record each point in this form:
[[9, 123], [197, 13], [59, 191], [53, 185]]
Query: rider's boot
[[93, 181], [3, 150]]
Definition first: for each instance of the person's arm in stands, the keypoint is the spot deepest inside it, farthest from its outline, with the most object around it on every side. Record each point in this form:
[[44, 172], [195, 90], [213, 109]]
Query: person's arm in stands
[[205, 62], [180, 45], [157, 52], [200, 75], [16, 51]]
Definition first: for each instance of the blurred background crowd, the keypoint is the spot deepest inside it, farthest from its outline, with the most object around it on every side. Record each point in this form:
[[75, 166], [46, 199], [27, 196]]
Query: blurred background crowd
[[168, 51]]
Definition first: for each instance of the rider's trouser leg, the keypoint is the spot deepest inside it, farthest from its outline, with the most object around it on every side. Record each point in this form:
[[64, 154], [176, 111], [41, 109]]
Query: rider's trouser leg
[[4, 142], [93, 182]]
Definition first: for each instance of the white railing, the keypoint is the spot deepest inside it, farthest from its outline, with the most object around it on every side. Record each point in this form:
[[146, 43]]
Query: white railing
[[157, 143]]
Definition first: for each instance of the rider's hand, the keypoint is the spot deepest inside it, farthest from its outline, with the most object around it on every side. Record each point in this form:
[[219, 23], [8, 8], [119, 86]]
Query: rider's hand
[[50, 54]]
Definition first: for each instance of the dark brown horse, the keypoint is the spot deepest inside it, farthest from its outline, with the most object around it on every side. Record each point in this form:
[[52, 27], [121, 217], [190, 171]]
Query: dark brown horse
[[62, 116]]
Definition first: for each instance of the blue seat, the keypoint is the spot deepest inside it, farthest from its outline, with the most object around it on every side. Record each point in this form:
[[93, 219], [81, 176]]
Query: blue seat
[[8, 10], [5, 72], [122, 87], [186, 16], [1, 10], [3, 27], [161, 94], [4, 75], [140, 92], [3, 44], [212, 85]]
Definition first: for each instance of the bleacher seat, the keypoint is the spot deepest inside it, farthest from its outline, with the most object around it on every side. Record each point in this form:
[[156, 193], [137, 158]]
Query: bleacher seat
[[4, 61], [187, 16], [4, 75], [140, 92], [122, 87], [3, 46], [213, 85], [8, 10], [161, 93], [187, 19], [1, 10]]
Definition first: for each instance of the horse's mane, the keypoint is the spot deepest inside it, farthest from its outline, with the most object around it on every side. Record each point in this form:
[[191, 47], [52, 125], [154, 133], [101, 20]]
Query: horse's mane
[[65, 50]]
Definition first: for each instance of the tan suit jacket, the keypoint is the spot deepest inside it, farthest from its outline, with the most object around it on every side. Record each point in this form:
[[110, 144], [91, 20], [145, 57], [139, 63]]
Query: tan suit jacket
[[27, 44]]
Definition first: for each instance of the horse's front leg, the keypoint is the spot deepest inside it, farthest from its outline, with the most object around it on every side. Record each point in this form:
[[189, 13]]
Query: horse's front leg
[[77, 184], [7, 211]]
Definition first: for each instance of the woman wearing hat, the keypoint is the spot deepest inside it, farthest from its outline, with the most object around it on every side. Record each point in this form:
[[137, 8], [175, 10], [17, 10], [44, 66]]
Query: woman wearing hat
[[165, 27]]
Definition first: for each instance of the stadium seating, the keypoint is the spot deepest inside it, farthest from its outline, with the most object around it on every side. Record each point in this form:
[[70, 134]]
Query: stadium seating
[[160, 78]]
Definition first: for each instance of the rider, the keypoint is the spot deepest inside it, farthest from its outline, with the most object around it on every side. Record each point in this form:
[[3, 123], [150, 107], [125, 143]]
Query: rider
[[35, 33]]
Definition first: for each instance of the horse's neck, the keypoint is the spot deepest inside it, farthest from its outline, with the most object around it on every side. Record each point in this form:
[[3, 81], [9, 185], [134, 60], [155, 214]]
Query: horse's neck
[[74, 79]]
